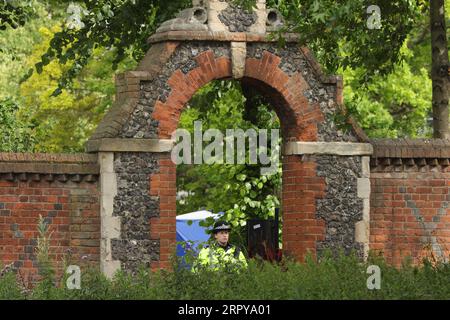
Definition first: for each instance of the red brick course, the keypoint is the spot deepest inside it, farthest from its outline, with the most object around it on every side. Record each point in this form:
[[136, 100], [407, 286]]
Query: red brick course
[[301, 188], [183, 88], [163, 228]]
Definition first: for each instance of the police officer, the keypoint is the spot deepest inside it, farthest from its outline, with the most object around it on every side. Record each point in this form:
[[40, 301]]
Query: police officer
[[221, 255]]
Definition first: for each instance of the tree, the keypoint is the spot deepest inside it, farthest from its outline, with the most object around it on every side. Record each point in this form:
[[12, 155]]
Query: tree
[[440, 69], [126, 25], [18, 13], [338, 32], [32, 120], [394, 105], [16, 45], [64, 123], [17, 41], [120, 24]]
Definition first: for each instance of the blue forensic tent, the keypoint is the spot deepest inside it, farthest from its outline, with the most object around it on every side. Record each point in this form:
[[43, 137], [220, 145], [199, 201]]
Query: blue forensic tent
[[193, 232]]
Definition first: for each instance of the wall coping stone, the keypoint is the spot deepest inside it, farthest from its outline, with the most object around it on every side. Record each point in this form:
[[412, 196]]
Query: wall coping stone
[[331, 148], [129, 145], [29, 164], [411, 148], [184, 35]]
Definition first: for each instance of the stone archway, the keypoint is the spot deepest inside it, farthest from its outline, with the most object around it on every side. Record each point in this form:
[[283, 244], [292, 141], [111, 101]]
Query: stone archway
[[325, 197]]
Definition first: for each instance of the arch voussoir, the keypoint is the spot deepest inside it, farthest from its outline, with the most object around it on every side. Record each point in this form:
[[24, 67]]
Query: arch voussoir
[[183, 87]]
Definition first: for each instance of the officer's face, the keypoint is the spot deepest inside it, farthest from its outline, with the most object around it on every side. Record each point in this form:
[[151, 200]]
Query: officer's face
[[222, 237]]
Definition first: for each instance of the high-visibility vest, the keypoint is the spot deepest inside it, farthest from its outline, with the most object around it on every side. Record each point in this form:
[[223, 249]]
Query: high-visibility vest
[[216, 258]]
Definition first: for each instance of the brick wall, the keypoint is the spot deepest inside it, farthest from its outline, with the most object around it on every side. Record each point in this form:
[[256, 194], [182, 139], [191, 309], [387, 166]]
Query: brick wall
[[300, 94], [63, 190], [410, 199], [298, 116]]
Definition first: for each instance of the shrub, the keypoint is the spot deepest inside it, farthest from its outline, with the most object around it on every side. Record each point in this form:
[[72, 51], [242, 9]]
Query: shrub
[[9, 288], [333, 277]]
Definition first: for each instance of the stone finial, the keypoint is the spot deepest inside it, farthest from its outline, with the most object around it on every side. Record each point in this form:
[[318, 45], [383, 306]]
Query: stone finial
[[192, 19], [224, 16]]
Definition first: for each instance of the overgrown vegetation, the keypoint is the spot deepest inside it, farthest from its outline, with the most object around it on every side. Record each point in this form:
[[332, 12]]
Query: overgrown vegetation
[[332, 276], [343, 277]]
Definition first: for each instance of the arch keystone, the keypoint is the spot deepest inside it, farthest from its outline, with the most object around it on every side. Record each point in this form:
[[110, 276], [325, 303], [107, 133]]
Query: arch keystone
[[238, 59]]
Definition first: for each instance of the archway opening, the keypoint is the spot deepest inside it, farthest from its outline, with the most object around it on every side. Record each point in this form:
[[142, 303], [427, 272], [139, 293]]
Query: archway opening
[[240, 182]]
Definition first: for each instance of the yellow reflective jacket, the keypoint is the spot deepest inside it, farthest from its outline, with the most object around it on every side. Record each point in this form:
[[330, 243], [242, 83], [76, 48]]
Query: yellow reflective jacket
[[216, 257]]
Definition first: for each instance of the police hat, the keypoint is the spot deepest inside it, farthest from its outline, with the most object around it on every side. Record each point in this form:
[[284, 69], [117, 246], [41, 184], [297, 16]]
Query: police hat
[[221, 226]]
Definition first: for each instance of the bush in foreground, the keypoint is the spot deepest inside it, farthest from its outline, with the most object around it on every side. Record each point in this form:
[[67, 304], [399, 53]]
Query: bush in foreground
[[342, 277]]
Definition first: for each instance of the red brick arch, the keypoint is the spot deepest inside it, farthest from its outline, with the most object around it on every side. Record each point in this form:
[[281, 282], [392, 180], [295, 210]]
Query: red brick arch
[[298, 117]]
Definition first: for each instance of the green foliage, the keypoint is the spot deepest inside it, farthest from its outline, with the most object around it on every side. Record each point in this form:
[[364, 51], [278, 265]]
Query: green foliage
[[246, 4], [65, 122], [237, 189], [339, 35], [15, 13], [121, 24], [396, 105], [45, 288], [15, 46], [332, 277], [126, 25], [60, 124], [15, 135], [9, 288]]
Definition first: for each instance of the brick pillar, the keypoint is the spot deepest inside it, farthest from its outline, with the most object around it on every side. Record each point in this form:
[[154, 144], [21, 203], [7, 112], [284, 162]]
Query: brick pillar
[[301, 188], [163, 185]]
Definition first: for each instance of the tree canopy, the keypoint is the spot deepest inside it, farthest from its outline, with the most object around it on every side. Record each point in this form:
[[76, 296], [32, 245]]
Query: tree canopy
[[338, 32]]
